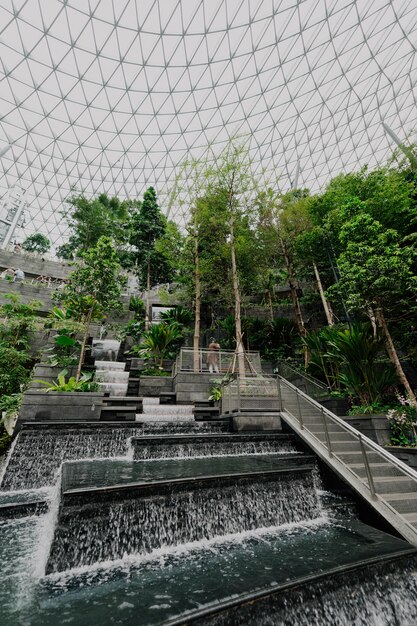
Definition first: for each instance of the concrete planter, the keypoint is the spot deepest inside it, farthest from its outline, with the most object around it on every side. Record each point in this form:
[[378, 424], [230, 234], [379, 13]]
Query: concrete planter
[[141, 364], [153, 385], [407, 455], [338, 406], [376, 427], [48, 373], [61, 406]]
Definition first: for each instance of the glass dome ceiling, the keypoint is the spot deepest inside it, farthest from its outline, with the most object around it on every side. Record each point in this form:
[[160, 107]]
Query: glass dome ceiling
[[112, 95]]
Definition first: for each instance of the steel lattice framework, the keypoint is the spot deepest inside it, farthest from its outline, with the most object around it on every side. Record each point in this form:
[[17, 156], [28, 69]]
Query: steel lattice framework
[[112, 95]]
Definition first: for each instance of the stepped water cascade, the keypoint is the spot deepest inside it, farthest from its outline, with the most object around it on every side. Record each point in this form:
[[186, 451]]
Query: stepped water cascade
[[111, 377], [38, 452], [153, 411], [211, 445], [132, 522], [166, 521]]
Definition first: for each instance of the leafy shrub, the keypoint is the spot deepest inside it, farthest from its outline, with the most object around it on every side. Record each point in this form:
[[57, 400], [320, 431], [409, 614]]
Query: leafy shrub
[[85, 384], [19, 322], [138, 307], [403, 423], [178, 314], [37, 243], [158, 342], [14, 370], [347, 358]]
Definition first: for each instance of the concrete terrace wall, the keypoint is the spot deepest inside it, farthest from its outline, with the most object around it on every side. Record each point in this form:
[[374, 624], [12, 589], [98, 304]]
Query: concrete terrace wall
[[27, 293], [34, 265]]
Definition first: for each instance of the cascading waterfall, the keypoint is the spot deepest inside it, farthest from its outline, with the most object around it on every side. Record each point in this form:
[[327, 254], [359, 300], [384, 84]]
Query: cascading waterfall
[[182, 427], [38, 454], [112, 377], [99, 531], [155, 412], [158, 450], [381, 595]]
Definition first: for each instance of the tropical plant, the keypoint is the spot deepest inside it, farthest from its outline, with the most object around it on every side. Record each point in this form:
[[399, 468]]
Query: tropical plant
[[157, 342], [133, 329], [154, 371], [347, 358], [178, 314], [89, 219], [322, 365], [137, 306], [36, 243], [227, 325], [10, 404], [216, 391], [356, 350], [83, 384]]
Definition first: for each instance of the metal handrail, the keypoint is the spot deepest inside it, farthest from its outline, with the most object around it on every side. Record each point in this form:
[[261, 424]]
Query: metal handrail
[[363, 441], [322, 417], [188, 357], [384, 453], [308, 377]]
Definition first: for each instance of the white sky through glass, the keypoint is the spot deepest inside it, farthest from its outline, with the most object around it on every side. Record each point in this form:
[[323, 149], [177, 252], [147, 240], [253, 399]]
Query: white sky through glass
[[112, 95]]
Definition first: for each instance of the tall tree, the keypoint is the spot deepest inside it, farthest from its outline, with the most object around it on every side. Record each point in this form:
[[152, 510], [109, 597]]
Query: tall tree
[[37, 243], [94, 288], [232, 179], [375, 274], [92, 218], [148, 225]]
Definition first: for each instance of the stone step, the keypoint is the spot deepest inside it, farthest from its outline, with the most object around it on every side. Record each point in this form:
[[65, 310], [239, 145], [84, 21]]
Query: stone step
[[114, 389], [349, 457], [337, 436], [108, 375], [403, 502], [345, 445], [110, 365], [378, 469], [317, 426], [395, 484], [411, 518]]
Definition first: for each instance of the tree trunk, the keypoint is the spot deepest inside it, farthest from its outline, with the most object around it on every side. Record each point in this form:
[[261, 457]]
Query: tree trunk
[[294, 297], [392, 353], [238, 322], [271, 308], [197, 321], [84, 343], [148, 290], [372, 318], [293, 289], [326, 304]]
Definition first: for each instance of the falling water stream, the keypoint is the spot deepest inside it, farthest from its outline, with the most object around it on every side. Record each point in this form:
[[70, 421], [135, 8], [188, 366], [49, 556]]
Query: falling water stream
[[122, 547]]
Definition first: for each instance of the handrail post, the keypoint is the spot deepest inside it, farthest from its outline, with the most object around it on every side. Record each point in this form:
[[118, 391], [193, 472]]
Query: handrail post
[[181, 360], [222, 399], [367, 468], [326, 432], [300, 417], [238, 393], [280, 407]]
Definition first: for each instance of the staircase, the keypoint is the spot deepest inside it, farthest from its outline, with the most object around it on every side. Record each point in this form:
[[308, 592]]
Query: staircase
[[385, 482]]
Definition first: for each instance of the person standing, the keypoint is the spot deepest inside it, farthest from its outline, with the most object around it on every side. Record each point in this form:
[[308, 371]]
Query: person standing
[[19, 275], [213, 356]]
